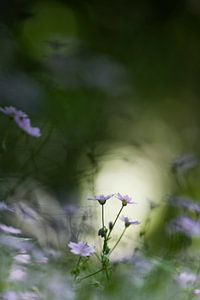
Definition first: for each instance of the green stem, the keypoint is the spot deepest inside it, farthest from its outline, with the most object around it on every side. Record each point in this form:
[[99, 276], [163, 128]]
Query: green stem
[[77, 265], [106, 271], [91, 274], [118, 240], [102, 213], [115, 221], [4, 140], [26, 174]]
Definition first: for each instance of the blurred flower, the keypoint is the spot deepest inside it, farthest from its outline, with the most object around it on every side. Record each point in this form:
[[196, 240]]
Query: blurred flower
[[124, 198], [185, 278], [4, 206], [10, 295], [13, 295], [17, 273], [196, 292], [183, 163], [185, 225], [185, 203], [22, 120], [70, 209], [129, 222], [23, 258], [81, 248], [102, 198], [25, 124], [9, 229], [13, 112]]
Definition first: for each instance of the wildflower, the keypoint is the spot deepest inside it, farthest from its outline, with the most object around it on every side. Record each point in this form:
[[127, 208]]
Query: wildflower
[[13, 112], [186, 278], [186, 225], [129, 222], [25, 124], [9, 229], [81, 248], [184, 163], [124, 198], [185, 203], [196, 292], [102, 198], [17, 273], [22, 120]]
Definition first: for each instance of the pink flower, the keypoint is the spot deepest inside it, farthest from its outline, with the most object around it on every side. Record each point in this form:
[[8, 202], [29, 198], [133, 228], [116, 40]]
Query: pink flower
[[124, 198], [22, 120], [129, 222], [81, 248]]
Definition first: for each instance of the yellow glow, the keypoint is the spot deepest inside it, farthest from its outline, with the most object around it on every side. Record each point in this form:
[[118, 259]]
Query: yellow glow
[[136, 176]]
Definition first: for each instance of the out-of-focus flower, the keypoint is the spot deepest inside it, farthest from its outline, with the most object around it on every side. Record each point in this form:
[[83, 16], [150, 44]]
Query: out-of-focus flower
[[25, 124], [9, 229], [17, 273], [4, 206], [185, 203], [186, 278], [185, 225], [13, 295], [184, 163], [13, 112], [128, 222], [196, 292], [124, 198], [102, 198], [23, 258], [22, 120], [81, 248]]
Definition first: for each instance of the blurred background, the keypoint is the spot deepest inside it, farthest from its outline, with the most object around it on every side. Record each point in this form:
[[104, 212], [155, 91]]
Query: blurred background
[[114, 88]]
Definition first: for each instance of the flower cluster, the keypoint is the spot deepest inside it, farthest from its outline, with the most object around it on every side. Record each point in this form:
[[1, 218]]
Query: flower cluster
[[82, 249], [22, 120]]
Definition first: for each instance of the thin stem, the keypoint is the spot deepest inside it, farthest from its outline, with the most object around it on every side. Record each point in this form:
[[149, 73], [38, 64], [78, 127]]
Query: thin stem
[[102, 214], [118, 240], [115, 221], [106, 271], [91, 274], [77, 265]]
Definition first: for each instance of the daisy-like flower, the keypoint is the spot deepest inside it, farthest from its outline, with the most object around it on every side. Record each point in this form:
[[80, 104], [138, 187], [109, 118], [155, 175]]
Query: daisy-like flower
[[102, 198], [22, 120], [128, 222], [124, 198], [81, 248]]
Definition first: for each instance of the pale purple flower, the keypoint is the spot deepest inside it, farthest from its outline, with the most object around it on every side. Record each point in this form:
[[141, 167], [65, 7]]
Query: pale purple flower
[[12, 112], [184, 163], [25, 124], [23, 258], [9, 229], [4, 206], [186, 278], [185, 225], [17, 273], [196, 292], [185, 203], [128, 222], [22, 120], [124, 198], [102, 198], [81, 248]]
